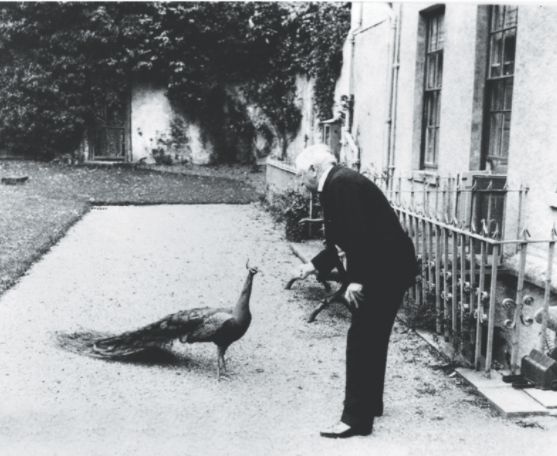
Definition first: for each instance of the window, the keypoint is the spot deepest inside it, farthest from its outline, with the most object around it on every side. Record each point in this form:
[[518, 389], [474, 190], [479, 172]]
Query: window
[[433, 77], [499, 84]]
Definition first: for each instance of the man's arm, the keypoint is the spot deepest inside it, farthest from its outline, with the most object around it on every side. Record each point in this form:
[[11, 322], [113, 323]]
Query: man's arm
[[323, 263]]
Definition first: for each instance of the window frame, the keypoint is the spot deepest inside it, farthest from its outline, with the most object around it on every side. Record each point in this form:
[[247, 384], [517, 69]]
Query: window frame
[[431, 94], [497, 112]]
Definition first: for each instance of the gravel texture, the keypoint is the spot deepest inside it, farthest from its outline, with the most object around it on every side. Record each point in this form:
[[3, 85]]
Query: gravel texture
[[123, 267]]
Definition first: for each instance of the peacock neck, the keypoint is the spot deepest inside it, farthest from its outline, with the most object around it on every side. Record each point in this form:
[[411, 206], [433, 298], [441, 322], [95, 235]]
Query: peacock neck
[[241, 311]]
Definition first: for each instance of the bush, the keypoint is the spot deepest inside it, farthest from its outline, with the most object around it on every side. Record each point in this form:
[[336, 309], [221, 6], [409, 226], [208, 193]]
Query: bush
[[63, 63], [289, 208], [418, 316]]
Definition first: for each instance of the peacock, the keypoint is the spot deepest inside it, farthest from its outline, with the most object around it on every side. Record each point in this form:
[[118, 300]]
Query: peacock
[[222, 326]]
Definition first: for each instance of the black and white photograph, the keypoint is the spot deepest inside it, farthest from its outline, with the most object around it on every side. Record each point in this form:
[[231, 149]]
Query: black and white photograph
[[278, 228]]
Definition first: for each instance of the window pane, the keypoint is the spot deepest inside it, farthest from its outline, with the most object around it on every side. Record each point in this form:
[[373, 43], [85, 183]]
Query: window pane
[[439, 69], [497, 12], [495, 55], [433, 113], [441, 32], [429, 109], [504, 152], [430, 145], [436, 146], [509, 52], [508, 96], [499, 87], [433, 68], [430, 71], [427, 146], [432, 35], [494, 134], [511, 16], [496, 98]]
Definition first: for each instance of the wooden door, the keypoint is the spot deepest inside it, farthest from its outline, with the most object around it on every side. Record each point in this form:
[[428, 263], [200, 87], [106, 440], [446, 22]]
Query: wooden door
[[109, 135]]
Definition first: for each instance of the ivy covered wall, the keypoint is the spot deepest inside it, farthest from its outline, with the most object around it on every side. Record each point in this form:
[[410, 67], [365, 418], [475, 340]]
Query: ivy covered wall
[[63, 62]]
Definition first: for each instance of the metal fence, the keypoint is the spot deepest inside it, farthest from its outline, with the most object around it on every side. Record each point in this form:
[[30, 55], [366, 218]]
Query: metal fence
[[458, 284], [475, 202], [464, 252]]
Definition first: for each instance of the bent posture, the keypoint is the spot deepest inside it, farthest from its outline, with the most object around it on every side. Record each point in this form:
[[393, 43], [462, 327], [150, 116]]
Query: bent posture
[[381, 265]]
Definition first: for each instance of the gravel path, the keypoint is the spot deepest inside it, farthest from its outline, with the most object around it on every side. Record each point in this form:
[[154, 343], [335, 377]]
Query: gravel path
[[123, 267]]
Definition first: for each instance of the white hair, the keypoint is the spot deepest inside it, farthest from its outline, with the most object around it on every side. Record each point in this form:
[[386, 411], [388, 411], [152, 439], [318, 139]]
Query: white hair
[[319, 156]]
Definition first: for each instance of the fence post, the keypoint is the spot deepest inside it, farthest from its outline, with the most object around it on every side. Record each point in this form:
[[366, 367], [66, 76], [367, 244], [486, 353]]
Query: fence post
[[462, 280], [489, 207], [438, 313], [491, 315], [424, 259], [472, 298], [416, 228], [523, 246], [453, 288], [437, 187], [547, 291], [443, 217], [480, 307], [446, 314]]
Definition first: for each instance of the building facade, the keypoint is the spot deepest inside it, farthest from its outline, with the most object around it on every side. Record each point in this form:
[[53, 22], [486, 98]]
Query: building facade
[[449, 107], [457, 90]]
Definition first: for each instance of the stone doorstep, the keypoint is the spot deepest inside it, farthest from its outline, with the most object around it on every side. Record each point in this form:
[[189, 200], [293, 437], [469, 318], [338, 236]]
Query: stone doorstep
[[547, 398], [509, 401]]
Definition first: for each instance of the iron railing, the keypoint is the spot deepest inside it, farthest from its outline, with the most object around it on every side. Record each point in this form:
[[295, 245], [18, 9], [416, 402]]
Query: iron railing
[[478, 206], [459, 284], [466, 257]]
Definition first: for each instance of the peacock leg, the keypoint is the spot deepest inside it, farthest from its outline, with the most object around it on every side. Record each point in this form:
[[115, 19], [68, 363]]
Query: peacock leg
[[221, 363]]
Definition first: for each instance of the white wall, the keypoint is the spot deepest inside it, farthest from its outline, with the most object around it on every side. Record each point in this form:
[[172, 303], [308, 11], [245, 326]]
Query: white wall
[[151, 119], [533, 142], [308, 132]]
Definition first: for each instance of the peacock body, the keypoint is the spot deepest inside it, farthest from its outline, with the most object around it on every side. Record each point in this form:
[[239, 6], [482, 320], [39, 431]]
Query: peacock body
[[222, 326]]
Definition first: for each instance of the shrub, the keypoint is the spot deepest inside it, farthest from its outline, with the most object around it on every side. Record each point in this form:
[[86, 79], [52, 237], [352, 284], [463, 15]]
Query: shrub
[[419, 316], [61, 63], [289, 208]]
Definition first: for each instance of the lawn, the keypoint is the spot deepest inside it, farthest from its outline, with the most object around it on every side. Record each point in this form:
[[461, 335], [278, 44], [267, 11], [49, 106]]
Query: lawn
[[33, 216]]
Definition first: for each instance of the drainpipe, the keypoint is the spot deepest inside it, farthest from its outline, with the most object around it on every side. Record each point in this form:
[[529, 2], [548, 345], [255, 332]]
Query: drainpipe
[[396, 19], [351, 84], [353, 34], [351, 92]]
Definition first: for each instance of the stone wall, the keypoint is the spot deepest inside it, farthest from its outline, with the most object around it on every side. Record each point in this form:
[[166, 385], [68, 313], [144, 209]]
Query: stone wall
[[151, 121]]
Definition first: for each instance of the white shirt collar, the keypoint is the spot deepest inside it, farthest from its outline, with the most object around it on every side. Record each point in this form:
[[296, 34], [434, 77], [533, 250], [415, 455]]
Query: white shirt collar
[[323, 178]]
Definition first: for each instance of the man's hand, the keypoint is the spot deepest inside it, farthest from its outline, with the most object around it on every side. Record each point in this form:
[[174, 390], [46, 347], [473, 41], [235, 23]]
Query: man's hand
[[302, 271], [354, 295]]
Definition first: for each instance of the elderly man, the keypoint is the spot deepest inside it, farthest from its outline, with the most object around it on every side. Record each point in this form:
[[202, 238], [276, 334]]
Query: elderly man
[[381, 265]]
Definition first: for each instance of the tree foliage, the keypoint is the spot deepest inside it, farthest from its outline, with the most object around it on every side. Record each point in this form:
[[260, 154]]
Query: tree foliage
[[60, 63]]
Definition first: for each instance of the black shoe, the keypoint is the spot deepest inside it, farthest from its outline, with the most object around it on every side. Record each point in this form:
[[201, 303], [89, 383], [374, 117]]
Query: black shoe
[[342, 431]]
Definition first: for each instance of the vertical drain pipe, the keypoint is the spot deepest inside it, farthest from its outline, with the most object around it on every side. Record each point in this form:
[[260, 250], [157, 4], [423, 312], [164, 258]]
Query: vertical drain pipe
[[396, 19], [349, 119]]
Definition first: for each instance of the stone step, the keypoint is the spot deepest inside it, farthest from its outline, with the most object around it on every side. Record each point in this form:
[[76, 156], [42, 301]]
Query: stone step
[[509, 401]]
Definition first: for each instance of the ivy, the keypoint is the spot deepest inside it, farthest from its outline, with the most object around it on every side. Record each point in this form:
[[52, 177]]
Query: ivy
[[60, 63]]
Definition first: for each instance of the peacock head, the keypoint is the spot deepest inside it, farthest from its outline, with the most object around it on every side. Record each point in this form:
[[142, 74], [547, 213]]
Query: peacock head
[[252, 270]]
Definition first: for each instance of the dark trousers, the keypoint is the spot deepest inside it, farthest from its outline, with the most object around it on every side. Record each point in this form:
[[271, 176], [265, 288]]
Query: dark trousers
[[366, 354]]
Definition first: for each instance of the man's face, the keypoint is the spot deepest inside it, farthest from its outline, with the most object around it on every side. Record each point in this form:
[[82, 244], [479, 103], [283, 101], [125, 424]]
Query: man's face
[[309, 179]]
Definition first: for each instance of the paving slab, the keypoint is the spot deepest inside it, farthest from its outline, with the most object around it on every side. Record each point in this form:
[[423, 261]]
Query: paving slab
[[509, 401], [545, 397]]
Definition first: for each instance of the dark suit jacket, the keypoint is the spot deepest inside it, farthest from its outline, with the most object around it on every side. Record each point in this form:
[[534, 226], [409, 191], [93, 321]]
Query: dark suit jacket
[[360, 220]]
